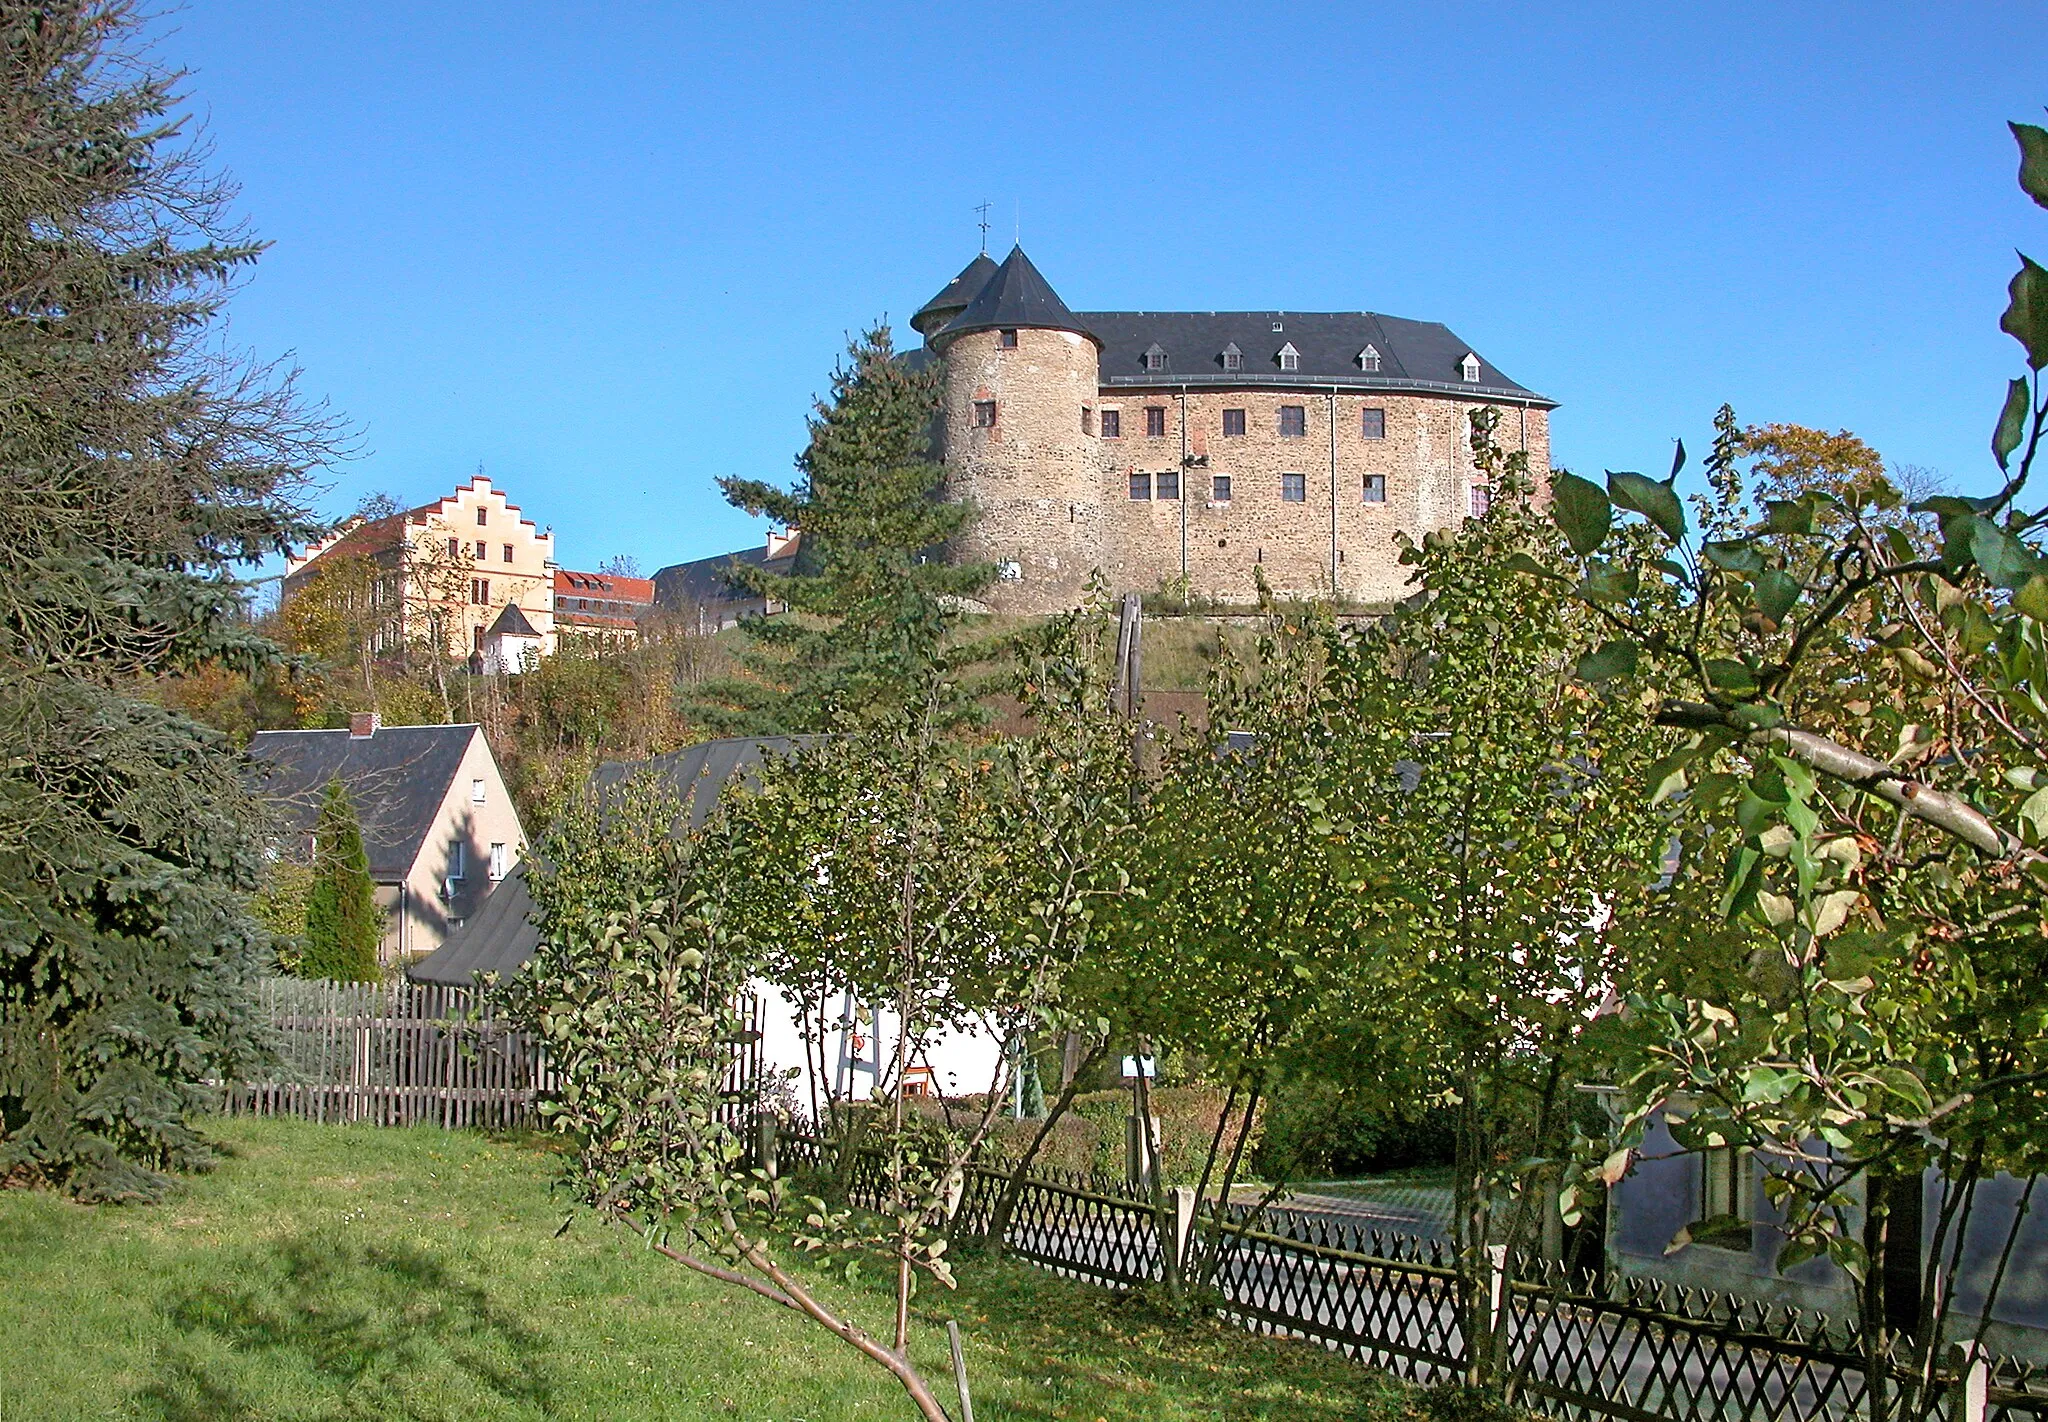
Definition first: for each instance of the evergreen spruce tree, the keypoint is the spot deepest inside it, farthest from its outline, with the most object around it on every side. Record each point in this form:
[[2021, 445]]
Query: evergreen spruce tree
[[872, 595], [342, 923], [142, 467]]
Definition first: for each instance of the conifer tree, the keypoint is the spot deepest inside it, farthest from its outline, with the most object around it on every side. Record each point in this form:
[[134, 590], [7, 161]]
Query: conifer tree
[[872, 594], [342, 927], [142, 466]]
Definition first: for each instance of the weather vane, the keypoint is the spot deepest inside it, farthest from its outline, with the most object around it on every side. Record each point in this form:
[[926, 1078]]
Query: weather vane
[[983, 210]]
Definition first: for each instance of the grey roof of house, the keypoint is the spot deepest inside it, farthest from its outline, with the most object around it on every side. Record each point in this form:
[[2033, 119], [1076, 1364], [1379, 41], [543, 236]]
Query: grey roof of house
[[397, 780], [512, 623], [1015, 296], [501, 936], [708, 580], [954, 295], [1420, 356]]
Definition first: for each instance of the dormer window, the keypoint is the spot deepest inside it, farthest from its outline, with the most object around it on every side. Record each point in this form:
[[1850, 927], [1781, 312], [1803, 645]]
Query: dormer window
[[1233, 358], [1290, 358], [1369, 359], [1470, 366], [1155, 356], [1278, 326]]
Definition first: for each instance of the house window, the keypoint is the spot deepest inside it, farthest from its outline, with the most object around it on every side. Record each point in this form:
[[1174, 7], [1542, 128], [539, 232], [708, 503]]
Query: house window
[[476, 636], [1219, 488], [1470, 366], [1155, 357], [1233, 422], [1169, 486], [1112, 424], [1482, 500], [498, 858], [1373, 424], [457, 859], [454, 548], [483, 518], [1141, 485], [480, 591], [1290, 358], [476, 792], [1008, 339], [1155, 420], [1087, 421], [1375, 488], [1724, 1198], [508, 552], [1233, 358], [1293, 421], [1368, 359], [984, 414], [1293, 488]]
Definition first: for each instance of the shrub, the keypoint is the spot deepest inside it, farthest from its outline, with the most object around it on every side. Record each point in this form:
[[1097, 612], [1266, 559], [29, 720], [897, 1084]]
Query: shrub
[[342, 923], [1315, 1130]]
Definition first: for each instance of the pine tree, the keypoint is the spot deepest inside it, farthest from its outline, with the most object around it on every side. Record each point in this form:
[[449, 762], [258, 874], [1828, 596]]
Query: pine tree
[[872, 594], [142, 468], [342, 923]]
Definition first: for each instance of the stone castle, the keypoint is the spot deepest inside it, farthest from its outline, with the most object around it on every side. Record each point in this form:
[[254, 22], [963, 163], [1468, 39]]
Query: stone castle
[[1199, 450]]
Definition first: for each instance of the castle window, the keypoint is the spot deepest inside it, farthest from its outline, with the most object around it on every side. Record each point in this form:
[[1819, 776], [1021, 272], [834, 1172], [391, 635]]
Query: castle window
[[1293, 421], [483, 517], [1219, 490], [1369, 359], [1155, 420], [1008, 339], [1169, 486], [1155, 357], [1290, 358], [1375, 488], [483, 551], [1087, 421], [1470, 366], [508, 552], [984, 414], [480, 591], [1294, 488], [1112, 424], [1141, 485], [1233, 422], [1482, 500], [1373, 424], [1233, 358], [454, 548]]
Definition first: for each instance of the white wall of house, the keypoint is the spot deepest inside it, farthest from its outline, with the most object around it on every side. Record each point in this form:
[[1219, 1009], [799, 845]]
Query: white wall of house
[[475, 840], [961, 1062]]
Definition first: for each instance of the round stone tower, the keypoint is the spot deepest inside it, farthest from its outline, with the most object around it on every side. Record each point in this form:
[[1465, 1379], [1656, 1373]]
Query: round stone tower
[[1022, 377]]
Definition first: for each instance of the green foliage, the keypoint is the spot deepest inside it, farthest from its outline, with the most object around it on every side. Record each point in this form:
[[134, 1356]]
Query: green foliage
[[142, 468], [873, 603], [1316, 1130], [342, 924], [280, 906]]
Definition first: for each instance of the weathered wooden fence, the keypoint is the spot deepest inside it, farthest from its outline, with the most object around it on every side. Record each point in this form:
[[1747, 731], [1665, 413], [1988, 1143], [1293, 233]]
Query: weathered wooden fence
[[1630, 1351], [392, 1054]]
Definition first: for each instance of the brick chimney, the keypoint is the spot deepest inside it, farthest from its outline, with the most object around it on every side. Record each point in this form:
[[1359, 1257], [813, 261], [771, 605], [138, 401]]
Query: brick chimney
[[362, 725]]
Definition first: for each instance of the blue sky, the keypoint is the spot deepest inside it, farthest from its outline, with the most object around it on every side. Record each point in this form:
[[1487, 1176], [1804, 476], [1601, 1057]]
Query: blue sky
[[609, 252]]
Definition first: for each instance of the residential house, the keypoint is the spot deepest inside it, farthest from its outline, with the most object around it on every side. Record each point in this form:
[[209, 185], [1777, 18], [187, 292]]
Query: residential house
[[441, 574], [704, 594], [439, 827]]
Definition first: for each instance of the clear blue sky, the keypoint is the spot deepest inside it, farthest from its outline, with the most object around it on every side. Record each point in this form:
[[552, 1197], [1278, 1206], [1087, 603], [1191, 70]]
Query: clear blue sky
[[610, 251]]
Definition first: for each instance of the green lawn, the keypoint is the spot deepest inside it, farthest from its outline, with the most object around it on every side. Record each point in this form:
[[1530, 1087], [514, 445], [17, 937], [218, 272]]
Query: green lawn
[[352, 1272]]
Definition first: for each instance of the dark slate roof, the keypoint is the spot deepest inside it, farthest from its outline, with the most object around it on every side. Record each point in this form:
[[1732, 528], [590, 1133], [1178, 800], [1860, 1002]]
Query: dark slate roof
[[707, 580], [1414, 355], [499, 937], [512, 623], [1015, 296], [954, 296], [397, 779]]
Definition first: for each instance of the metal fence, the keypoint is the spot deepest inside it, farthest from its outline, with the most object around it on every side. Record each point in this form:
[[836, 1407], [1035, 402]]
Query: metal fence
[[391, 1054], [1629, 1350]]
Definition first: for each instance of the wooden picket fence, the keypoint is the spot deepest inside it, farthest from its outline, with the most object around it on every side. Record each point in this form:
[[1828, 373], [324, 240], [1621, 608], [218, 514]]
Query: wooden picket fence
[[392, 1054]]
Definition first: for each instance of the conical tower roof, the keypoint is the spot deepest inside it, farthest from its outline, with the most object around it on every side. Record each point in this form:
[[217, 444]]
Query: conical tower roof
[[954, 296], [1015, 296]]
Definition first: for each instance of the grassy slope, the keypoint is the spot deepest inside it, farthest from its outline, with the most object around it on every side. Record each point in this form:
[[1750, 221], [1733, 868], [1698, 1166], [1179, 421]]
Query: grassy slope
[[329, 1272]]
